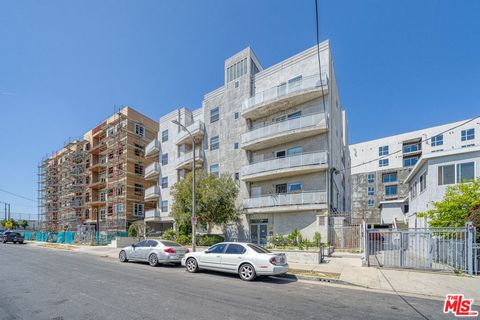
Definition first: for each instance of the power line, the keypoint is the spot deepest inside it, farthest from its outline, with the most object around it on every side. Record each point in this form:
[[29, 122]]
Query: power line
[[17, 195], [423, 140]]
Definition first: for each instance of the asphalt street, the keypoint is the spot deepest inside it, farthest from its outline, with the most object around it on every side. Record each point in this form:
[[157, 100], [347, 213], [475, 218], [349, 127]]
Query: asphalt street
[[42, 283]]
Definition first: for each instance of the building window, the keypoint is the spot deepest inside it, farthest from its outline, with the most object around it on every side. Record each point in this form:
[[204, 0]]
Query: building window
[[465, 172], [410, 162], [103, 214], [164, 182], [295, 150], [413, 189], [281, 188], [236, 115], [437, 140], [139, 130], [138, 189], [383, 151], [391, 190], [236, 178], [164, 159], [383, 163], [371, 202], [164, 206], [138, 168], [119, 208], [371, 178], [423, 182], [214, 143], [446, 175], [237, 70], [411, 147], [214, 114], [294, 187], [468, 134], [139, 150], [389, 177], [235, 145], [138, 209], [165, 135], [371, 191], [215, 170], [294, 115]]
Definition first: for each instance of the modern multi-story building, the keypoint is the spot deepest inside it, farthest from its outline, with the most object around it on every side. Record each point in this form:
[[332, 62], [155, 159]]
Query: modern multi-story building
[[380, 167], [98, 182], [279, 131]]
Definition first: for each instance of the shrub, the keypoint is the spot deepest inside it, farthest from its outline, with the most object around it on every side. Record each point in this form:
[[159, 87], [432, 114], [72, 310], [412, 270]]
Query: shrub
[[279, 241], [317, 239], [294, 237], [208, 240], [184, 240], [169, 234], [133, 230]]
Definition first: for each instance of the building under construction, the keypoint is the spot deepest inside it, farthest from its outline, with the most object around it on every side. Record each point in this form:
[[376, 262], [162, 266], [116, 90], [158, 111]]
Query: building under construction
[[97, 183]]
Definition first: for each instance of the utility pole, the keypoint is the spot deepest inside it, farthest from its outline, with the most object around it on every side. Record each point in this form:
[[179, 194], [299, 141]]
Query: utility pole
[[194, 217]]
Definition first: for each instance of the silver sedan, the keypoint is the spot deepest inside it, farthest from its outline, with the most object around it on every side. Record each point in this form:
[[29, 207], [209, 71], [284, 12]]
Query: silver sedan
[[245, 259], [154, 252]]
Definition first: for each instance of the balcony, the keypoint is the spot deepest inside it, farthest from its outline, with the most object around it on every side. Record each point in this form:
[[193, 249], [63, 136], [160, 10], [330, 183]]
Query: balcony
[[152, 171], [197, 129], [285, 202], [186, 159], [97, 147], [155, 215], [152, 148], [98, 164], [284, 96], [152, 193], [285, 167], [285, 131], [99, 183]]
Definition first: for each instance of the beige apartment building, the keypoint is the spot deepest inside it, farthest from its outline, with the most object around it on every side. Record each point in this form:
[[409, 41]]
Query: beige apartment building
[[99, 180]]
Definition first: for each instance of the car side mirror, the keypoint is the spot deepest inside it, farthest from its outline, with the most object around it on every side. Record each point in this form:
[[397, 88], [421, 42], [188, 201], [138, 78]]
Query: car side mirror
[[206, 251], [133, 245]]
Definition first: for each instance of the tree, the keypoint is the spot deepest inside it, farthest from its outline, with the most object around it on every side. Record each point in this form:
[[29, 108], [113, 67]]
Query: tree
[[453, 211], [133, 230], [215, 200], [474, 216], [23, 224], [10, 223]]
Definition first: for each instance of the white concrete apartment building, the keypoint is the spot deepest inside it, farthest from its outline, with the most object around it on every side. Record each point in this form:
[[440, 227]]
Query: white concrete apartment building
[[380, 167], [431, 176], [279, 133]]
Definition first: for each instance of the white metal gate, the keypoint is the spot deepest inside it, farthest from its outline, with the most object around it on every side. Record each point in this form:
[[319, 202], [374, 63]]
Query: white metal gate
[[433, 248]]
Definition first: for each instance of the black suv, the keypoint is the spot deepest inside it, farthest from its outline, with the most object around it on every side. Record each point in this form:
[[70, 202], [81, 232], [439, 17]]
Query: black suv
[[13, 237]]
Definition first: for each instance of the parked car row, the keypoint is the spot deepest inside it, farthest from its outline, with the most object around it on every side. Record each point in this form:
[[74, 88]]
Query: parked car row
[[245, 259]]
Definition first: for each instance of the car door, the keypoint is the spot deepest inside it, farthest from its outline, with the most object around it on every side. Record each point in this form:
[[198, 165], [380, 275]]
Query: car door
[[212, 258], [137, 250], [233, 256]]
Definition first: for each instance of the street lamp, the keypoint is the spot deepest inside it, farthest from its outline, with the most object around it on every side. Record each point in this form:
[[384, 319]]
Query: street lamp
[[194, 217]]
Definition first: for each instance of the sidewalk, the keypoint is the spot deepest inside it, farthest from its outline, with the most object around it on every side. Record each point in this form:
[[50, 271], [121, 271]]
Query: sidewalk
[[347, 268]]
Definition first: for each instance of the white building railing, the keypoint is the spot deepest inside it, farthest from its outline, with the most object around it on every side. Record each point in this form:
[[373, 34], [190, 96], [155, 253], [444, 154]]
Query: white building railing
[[286, 199], [152, 147], [289, 88], [187, 157], [152, 191], [312, 120], [152, 169], [298, 160], [194, 129]]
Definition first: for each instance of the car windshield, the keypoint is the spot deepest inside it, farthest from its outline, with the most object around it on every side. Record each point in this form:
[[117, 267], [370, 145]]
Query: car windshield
[[170, 243], [258, 249]]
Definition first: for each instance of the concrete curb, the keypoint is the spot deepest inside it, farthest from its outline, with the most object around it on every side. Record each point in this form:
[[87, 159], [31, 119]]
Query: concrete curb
[[318, 278]]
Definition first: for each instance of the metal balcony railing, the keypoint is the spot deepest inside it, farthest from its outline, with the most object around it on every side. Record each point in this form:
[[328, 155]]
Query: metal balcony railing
[[293, 161], [283, 90], [152, 169], [273, 129], [286, 199], [152, 148]]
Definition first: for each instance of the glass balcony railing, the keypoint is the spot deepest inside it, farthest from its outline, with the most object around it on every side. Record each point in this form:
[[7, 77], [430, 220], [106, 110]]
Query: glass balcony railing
[[292, 161], [284, 90], [187, 158], [286, 199], [152, 170], [152, 148], [152, 192]]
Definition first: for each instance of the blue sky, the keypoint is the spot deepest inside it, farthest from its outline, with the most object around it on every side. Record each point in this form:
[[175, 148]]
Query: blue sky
[[401, 65]]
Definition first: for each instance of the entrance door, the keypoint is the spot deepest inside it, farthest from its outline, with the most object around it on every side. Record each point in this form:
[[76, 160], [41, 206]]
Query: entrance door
[[259, 232]]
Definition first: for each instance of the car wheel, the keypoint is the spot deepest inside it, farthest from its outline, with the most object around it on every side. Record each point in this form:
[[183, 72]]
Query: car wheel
[[122, 256], [191, 265], [246, 272], [21, 242], [153, 260]]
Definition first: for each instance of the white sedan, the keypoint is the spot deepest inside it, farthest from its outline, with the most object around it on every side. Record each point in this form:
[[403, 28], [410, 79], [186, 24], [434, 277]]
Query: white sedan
[[245, 259], [154, 252]]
